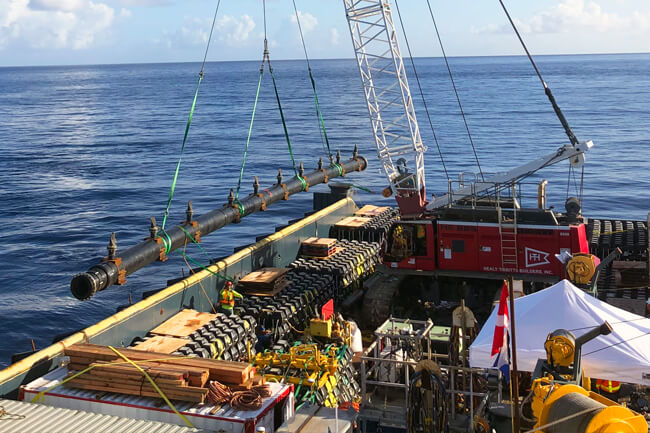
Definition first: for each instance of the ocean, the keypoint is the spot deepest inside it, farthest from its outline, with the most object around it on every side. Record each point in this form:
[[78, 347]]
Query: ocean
[[90, 150]]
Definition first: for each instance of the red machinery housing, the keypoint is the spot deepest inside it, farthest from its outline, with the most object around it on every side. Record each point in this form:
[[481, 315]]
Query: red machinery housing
[[461, 247]]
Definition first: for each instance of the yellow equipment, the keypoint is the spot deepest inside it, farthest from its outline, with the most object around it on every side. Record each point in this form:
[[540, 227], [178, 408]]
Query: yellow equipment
[[304, 366], [334, 328], [560, 348], [574, 409], [581, 268], [560, 404]]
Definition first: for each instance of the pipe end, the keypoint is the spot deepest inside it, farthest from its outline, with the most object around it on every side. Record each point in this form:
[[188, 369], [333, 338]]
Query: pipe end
[[83, 286]]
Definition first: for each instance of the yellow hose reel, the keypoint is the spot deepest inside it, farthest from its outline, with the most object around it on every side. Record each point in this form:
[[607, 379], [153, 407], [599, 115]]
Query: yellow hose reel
[[581, 268], [571, 408]]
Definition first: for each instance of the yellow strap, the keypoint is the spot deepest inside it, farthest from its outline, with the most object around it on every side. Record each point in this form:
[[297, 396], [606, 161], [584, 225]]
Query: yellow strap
[[41, 394], [162, 394]]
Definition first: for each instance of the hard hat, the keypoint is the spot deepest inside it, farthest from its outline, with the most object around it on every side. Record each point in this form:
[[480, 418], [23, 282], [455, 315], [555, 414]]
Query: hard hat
[[228, 284]]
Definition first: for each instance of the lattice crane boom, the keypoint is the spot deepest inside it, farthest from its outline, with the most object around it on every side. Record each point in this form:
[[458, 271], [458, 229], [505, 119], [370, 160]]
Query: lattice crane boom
[[390, 106]]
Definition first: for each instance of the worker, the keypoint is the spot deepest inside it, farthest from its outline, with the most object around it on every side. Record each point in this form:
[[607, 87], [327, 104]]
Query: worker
[[608, 388], [228, 295]]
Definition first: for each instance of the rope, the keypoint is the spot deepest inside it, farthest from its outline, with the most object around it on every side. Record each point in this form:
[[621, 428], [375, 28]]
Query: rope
[[547, 90], [250, 131], [8, 416], [284, 123], [453, 84], [561, 420], [424, 102], [214, 310], [189, 123], [153, 383], [313, 85]]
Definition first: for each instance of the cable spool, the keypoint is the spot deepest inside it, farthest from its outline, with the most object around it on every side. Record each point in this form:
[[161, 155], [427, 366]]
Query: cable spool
[[581, 268], [595, 417]]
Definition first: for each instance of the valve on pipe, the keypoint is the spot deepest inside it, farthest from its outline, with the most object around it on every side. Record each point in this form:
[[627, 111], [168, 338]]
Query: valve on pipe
[[114, 268]]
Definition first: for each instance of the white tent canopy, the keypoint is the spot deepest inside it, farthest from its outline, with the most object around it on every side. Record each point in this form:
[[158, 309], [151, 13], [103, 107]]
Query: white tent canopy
[[623, 355]]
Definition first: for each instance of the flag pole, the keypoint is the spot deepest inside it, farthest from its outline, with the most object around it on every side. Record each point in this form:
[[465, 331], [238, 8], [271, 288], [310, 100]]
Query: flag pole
[[514, 378]]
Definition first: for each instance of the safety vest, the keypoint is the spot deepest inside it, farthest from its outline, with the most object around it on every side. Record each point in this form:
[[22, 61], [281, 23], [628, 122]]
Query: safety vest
[[420, 231], [227, 299], [610, 386]]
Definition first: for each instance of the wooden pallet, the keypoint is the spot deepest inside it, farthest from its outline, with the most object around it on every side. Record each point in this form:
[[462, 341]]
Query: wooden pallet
[[227, 372], [318, 247], [353, 222], [371, 211], [162, 344], [183, 323]]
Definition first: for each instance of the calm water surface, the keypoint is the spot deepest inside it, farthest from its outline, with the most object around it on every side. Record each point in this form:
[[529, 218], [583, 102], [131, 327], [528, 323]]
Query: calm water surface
[[87, 150]]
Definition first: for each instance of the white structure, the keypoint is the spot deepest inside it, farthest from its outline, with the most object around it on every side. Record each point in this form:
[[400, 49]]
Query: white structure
[[623, 355]]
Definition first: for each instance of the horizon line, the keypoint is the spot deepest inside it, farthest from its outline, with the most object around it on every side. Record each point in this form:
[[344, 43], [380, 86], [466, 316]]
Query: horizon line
[[318, 59]]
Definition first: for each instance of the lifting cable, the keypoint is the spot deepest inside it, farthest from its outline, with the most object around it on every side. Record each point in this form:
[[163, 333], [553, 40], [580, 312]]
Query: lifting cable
[[547, 90], [189, 122], [424, 102], [266, 59], [313, 85], [453, 84]]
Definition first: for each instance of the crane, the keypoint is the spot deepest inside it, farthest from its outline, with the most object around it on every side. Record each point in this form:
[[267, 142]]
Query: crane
[[394, 123], [388, 97]]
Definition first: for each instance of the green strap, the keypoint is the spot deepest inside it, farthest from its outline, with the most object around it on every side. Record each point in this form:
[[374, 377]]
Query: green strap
[[223, 277], [284, 123], [216, 274], [248, 139], [320, 115], [178, 165]]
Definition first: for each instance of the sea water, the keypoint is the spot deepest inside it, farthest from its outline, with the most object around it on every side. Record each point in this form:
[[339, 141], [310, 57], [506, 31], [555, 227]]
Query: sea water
[[90, 150]]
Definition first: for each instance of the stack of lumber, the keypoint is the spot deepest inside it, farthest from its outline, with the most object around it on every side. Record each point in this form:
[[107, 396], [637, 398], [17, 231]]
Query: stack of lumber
[[178, 377], [264, 282], [318, 247], [183, 323], [370, 211]]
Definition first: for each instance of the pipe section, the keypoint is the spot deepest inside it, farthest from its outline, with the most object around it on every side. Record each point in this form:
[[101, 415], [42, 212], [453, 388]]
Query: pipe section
[[114, 268]]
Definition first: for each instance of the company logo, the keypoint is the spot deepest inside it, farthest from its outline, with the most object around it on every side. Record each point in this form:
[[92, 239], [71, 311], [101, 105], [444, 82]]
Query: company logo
[[536, 258]]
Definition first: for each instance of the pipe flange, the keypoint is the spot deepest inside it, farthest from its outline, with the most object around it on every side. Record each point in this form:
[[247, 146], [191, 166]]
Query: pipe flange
[[197, 232], [263, 207], [121, 273], [325, 176], [286, 191], [163, 251]]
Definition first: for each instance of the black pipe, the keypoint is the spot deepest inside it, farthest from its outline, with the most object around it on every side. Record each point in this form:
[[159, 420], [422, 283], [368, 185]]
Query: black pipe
[[113, 270], [604, 329]]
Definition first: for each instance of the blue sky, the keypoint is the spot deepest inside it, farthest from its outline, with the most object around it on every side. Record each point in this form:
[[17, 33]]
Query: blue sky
[[52, 32]]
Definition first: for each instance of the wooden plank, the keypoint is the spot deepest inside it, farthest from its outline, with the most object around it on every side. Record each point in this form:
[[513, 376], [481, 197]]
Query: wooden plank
[[371, 211], [183, 323], [263, 276], [172, 394], [254, 291], [223, 371], [162, 344], [352, 222]]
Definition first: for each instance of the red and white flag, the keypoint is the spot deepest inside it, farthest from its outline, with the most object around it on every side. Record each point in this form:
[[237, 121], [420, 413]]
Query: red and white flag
[[500, 341]]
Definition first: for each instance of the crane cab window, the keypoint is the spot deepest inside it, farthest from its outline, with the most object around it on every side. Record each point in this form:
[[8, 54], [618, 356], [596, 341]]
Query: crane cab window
[[406, 240]]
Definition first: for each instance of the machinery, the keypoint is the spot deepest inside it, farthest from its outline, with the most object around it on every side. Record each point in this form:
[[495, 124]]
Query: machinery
[[583, 270], [479, 229], [558, 401]]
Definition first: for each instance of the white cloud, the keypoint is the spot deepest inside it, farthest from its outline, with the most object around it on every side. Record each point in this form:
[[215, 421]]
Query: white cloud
[[56, 5], [334, 36], [573, 15], [125, 13], [308, 22], [235, 31], [53, 23]]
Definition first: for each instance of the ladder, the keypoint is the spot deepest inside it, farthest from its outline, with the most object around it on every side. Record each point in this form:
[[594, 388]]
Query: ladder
[[508, 237]]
